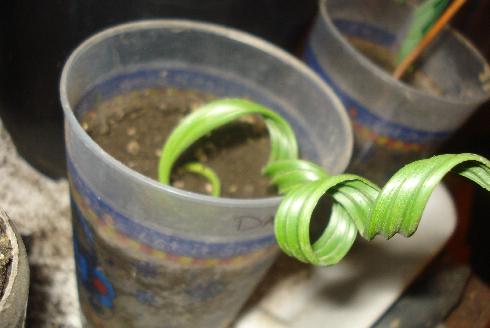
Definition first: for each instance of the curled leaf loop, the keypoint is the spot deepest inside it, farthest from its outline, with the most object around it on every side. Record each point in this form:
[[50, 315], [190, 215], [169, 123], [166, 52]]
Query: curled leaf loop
[[359, 206], [219, 113]]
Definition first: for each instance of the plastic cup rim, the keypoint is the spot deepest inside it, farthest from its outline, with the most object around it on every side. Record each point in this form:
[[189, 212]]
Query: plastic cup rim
[[8, 290], [401, 86], [224, 32]]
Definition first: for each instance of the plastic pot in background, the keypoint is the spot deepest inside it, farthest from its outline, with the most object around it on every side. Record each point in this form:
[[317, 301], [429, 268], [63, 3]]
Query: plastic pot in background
[[13, 302], [36, 38], [147, 253], [394, 122]]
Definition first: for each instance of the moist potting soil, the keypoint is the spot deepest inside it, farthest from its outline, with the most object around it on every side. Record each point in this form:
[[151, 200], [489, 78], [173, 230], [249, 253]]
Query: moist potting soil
[[133, 126], [386, 60], [5, 259]]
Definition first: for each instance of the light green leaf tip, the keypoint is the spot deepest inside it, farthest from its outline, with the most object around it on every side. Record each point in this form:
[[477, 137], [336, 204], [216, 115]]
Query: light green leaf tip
[[207, 173]]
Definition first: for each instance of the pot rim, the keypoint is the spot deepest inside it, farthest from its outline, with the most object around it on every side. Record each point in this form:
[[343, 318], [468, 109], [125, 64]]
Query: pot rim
[[399, 85], [225, 32], [14, 265]]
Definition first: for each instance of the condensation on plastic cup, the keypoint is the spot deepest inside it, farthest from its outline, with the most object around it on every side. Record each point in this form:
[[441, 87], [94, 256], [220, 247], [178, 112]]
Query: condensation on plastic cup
[[394, 122], [148, 253]]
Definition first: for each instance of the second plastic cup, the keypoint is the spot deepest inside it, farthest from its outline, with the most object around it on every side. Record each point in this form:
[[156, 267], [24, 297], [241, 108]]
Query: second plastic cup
[[150, 255], [353, 46]]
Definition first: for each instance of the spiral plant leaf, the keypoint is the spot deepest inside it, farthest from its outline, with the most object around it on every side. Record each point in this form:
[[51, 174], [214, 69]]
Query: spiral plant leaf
[[359, 206], [219, 113]]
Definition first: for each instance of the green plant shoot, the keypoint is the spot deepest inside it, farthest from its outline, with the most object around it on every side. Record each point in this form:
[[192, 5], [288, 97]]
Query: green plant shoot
[[424, 17], [359, 206], [219, 113]]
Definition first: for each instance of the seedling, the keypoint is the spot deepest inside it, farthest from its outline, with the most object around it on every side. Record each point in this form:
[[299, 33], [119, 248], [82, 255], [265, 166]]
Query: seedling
[[359, 205]]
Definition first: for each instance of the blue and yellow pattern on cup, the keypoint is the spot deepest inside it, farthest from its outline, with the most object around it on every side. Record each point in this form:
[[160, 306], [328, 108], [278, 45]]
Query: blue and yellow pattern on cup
[[383, 141]]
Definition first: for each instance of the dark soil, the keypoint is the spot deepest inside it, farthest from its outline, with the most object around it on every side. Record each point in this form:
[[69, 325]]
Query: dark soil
[[386, 60], [5, 260], [132, 127]]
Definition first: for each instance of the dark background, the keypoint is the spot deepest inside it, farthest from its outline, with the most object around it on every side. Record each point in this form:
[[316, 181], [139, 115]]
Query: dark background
[[38, 36]]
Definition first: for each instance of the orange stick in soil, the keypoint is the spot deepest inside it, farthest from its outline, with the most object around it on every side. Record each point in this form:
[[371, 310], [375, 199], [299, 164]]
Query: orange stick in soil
[[428, 38]]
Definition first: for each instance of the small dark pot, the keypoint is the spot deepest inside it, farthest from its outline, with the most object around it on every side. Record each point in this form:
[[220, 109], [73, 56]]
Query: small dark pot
[[14, 300]]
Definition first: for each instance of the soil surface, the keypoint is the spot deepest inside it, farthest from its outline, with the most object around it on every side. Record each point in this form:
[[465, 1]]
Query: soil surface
[[132, 127], [385, 59], [5, 260]]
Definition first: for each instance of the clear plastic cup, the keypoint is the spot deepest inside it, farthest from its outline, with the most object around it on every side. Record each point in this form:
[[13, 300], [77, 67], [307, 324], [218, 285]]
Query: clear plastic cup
[[394, 122], [150, 255]]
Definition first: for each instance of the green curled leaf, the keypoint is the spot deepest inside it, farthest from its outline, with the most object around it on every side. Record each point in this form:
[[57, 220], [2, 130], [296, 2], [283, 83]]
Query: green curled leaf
[[402, 201], [292, 222], [219, 113], [288, 174], [207, 173], [358, 204], [362, 206]]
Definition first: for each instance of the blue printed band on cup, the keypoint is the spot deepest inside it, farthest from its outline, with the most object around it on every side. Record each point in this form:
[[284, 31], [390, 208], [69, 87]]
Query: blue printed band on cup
[[204, 80], [93, 210]]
